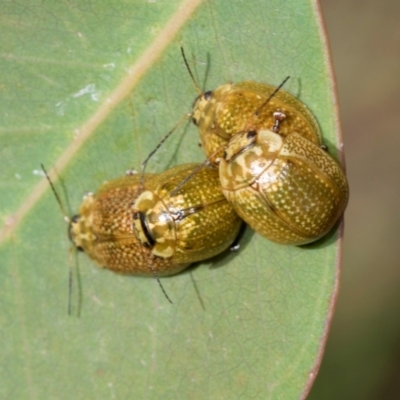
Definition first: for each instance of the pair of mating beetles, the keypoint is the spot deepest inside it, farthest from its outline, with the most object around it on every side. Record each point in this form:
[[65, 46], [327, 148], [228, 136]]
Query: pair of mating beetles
[[266, 165]]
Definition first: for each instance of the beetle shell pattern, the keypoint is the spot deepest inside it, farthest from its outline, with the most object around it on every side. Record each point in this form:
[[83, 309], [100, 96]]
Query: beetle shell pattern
[[285, 187], [193, 224], [231, 108]]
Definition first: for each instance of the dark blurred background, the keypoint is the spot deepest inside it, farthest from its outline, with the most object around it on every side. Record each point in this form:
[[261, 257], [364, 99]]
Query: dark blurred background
[[362, 359]]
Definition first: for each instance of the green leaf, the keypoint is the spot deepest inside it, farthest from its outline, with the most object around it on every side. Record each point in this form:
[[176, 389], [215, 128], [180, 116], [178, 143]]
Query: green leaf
[[89, 88]]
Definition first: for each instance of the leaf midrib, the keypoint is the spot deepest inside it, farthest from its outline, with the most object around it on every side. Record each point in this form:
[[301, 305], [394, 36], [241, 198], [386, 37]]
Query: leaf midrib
[[133, 75]]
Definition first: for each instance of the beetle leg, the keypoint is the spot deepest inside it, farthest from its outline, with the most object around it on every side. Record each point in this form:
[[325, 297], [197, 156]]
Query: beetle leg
[[279, 116]]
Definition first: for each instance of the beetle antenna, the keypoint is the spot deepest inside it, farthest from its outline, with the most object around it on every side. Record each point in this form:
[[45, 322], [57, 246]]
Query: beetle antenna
[[65, 215], [159, 282], [271, 96], [190, 176], [144, 163], [199, 91], [72, 249], [70, 281], [195, 171]]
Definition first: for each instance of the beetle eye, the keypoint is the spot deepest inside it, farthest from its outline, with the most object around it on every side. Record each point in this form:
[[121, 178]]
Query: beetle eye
[[194, 120], [225, 155], [207, 95], [251, 134]]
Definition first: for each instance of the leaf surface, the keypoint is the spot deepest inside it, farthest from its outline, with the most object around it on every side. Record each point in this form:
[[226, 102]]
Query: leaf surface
[[90, 88]]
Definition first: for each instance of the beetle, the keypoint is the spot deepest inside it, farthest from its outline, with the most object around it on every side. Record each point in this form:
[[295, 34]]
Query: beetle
[[149, 225], [103, 229], [286, 188], [248, 106], [273, 167]]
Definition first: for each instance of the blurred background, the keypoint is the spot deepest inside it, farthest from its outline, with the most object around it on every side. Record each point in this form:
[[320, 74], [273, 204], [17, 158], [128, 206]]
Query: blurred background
[[362, 359]]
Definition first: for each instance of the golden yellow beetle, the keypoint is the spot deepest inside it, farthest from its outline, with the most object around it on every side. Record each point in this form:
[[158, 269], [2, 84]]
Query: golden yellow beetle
[[248, 106], [155, 224], [273, 168]]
